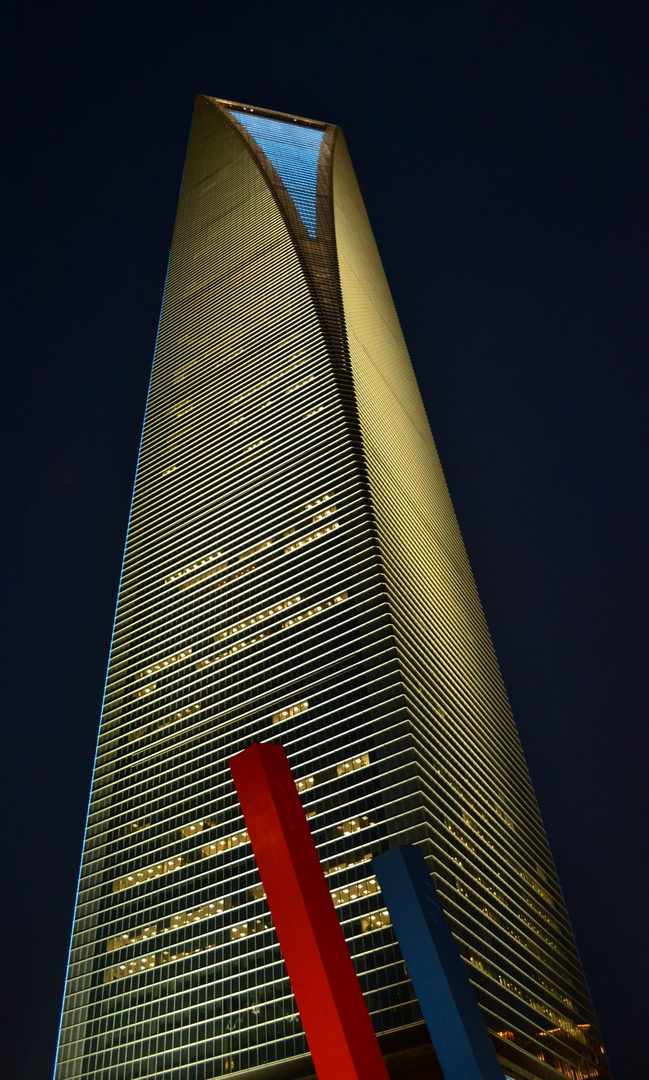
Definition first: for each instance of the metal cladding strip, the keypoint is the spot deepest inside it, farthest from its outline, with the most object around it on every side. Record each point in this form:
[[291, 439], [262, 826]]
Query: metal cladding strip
[[328, 995], [450, 1009]]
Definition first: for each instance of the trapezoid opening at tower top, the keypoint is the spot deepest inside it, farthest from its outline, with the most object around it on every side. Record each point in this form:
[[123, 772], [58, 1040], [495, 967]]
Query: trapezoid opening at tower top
[[293, 151]]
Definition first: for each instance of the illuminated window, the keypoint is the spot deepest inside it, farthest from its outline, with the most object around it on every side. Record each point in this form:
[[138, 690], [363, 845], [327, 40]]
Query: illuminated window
[[198, 826], [254, 550], [459, 835], [562, 1023], [355, 891], [189, 710], [305, 784], [352, 826], [289, 532], [256, 893], [491, 914], [258, 405], [327, 512], [291, 710], [480, 965], [183, 918], [186, 918], [345, 864], [543, 893], [337, 599], [504, 816], [135, 826], [267, 382], [226, 842], [150, 872], [491, 889], [202, 577], [132, 967], [468, 820], [313, 412], [255, 926], [232, 651], [311, 537], [169, 470], [122, 940], [253, 446], [537, 930], [175, 435], [145, 691], [321, 498], [360, 762], [193, 566], [544, 915], [182, 372], [231, 577], [245, 624], [299, 385], [162, 664], [144, 963], [378, 920]]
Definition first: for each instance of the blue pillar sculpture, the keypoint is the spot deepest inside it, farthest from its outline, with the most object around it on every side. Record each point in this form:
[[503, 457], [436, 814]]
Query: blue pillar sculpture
[[455, 1025]]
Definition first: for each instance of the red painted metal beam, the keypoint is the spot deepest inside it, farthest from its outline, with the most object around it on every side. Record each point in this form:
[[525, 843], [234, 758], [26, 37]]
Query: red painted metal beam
[[336, 1022]]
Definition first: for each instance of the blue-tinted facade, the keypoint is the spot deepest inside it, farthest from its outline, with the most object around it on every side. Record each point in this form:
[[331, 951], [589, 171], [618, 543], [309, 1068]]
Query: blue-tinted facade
[[293, 151]]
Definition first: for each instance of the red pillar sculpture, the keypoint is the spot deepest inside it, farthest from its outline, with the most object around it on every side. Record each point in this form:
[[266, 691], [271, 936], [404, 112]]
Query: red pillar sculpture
[[336, 1022]]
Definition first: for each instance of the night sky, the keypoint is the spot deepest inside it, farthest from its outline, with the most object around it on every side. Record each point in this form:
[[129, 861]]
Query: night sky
[[502, 151]]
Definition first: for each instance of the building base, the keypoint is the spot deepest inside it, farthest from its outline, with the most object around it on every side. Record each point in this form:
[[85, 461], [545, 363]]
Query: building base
[[409, 1055]]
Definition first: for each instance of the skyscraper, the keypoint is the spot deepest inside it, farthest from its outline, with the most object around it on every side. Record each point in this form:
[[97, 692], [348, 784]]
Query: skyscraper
[[294, 573]]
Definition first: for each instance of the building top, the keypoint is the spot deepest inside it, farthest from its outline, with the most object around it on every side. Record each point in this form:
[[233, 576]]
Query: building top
[[293, 150]]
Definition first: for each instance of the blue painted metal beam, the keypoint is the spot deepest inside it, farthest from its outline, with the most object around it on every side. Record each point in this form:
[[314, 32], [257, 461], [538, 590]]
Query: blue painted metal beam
[[455, 1025]]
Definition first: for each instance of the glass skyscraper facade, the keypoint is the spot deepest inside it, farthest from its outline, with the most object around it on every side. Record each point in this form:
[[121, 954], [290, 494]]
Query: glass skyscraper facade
[[294, 573]]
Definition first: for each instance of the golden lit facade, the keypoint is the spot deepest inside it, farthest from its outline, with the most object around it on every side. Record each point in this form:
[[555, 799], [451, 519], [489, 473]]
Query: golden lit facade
[[294, 573]]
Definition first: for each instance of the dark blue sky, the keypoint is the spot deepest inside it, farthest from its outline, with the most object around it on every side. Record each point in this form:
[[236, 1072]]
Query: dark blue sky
[[502, 151]]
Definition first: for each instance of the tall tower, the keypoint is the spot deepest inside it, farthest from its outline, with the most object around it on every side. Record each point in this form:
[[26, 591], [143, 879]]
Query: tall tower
[[294, 573]]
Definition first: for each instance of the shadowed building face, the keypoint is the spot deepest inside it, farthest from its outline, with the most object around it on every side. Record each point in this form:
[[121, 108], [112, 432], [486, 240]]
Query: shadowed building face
[[294, 573]]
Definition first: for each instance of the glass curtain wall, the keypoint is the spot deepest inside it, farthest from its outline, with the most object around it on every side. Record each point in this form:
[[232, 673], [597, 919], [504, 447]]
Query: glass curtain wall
[[294, 573]]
